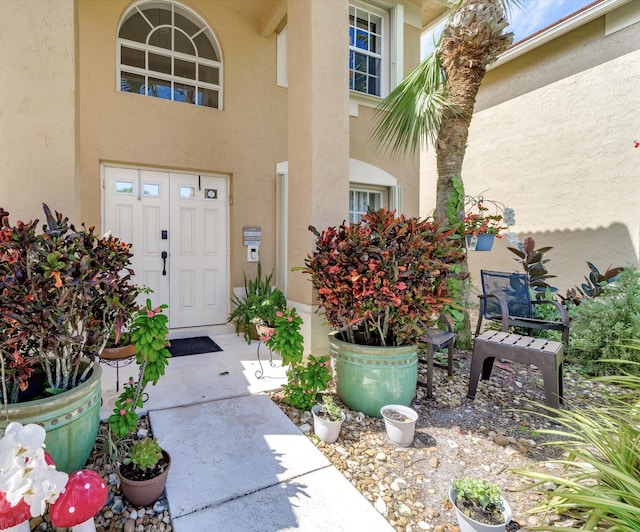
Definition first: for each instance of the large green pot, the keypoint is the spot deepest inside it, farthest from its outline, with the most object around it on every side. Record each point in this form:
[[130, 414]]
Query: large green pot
[[71, 420], [369, 377]]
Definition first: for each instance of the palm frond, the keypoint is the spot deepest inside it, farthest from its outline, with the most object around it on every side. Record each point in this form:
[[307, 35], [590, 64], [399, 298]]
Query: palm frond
[[413, 111]]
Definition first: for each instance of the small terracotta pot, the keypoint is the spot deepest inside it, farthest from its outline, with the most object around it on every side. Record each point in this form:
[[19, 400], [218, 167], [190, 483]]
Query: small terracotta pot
[[118, 353], [144, 492]]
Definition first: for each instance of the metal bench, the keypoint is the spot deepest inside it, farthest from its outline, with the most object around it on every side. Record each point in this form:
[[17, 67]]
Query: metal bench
[[546, 355]]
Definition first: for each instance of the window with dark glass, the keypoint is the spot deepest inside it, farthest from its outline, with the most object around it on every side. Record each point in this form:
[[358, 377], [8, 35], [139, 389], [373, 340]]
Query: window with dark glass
[[166, 51]]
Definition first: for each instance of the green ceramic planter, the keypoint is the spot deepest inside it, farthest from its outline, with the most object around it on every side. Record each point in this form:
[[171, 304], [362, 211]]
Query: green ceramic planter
[[368, 377], [71, 420]]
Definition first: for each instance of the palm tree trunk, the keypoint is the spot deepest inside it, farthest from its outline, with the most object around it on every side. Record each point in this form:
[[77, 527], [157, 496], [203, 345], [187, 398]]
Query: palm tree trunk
[[471, 41]]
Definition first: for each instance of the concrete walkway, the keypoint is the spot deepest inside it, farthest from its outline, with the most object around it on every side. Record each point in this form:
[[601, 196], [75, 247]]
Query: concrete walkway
[[238, 462]]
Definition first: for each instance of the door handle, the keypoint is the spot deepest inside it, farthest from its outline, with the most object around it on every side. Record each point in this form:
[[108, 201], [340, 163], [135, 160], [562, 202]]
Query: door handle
[[164, 256]]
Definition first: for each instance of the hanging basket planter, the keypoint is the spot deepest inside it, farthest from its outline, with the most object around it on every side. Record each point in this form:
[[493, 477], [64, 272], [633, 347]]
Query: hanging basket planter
[[480, 242]]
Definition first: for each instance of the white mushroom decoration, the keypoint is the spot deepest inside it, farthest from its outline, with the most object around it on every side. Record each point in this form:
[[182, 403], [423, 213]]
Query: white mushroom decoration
[[82, 498], [14, 518]]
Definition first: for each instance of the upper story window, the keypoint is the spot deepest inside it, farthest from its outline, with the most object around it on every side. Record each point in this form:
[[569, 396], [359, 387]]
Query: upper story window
[[166, 51], [368, 49]]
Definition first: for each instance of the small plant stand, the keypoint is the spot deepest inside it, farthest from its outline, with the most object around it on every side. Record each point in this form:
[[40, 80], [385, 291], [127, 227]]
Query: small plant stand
[[118, 357], [260, 372]]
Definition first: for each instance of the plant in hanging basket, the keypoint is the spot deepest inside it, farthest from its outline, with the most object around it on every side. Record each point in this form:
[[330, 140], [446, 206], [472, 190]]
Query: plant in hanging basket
[[481, 223]]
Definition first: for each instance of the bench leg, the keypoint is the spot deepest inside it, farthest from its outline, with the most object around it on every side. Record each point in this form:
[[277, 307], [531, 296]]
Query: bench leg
[[551, 384], [480, 364], [552, 380]]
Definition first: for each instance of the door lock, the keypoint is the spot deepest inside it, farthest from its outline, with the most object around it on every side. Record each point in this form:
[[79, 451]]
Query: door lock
[[164, 256]]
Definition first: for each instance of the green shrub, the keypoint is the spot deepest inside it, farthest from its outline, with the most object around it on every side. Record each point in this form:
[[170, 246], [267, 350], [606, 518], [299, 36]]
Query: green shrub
[[599, 482], [601, 325]]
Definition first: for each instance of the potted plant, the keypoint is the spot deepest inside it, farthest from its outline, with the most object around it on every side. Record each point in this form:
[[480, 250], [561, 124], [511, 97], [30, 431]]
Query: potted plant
[[479, 505], [257, 307], [62, 290], [118, 347], [306, 376], [481, 228], [327, 419], [143, 474], [400, 424], [144, 468], [381, 283]]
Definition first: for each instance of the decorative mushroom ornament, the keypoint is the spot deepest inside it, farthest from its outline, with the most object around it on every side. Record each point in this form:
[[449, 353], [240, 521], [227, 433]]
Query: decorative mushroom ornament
[[14, 518], [82, 498]]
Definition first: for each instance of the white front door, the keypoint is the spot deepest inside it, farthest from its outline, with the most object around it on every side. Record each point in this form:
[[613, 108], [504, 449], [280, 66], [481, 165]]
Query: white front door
[[177, 225]]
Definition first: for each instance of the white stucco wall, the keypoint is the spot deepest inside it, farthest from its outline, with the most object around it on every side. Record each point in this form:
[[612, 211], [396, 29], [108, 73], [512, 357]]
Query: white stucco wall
[[563, 157]]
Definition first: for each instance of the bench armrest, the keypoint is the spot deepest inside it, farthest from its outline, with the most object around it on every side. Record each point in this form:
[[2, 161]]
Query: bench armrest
[[564, 317], [504, 311]]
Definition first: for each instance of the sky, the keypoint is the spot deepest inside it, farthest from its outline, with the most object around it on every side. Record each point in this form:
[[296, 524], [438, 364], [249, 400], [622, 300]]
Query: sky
[[530, 17]]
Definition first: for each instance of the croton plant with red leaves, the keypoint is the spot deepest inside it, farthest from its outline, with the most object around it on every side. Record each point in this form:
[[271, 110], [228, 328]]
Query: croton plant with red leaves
[[383, 280], [62, 291]]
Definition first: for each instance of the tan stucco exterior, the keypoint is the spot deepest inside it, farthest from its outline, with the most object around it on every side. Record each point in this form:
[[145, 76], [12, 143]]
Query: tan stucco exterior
[[62, 117], [552, 137], [243, 141], [38, 90]]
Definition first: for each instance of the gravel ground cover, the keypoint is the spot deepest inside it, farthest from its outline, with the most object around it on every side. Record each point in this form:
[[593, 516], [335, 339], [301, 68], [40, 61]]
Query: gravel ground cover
[[455, 437], [409, 486]]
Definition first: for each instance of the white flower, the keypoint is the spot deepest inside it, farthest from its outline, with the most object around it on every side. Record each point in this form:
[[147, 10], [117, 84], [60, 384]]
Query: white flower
[[47, 484], [24, 473], [19, 441]]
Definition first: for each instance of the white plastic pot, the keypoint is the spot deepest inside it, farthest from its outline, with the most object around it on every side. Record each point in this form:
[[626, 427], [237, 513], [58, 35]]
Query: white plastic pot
[[400, 432], [327, 431], [469, 525]]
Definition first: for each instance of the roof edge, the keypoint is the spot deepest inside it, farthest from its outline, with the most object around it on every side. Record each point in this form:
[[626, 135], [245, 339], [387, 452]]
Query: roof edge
[[579, 18]]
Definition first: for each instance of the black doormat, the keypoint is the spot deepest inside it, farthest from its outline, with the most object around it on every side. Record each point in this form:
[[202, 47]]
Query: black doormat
[[193, 346]]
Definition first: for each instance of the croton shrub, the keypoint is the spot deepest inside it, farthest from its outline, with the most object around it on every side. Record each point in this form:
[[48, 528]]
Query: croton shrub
[[383, 280], [62, 291]]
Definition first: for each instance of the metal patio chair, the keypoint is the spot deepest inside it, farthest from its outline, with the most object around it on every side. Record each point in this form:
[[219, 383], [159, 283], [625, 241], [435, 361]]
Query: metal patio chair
[[436, 339], [506, 299]]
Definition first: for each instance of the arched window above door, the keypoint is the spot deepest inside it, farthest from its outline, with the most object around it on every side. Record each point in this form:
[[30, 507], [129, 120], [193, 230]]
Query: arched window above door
[[167, 51]]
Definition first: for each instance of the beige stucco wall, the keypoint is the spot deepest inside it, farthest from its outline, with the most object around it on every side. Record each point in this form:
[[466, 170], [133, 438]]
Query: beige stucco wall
[[62, 116], [405, 168], [562, 156], [244, 141], [37, 107]]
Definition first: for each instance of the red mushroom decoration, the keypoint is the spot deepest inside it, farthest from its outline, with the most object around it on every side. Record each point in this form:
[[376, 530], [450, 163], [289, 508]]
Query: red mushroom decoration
[[82, 498], [14, 518]]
